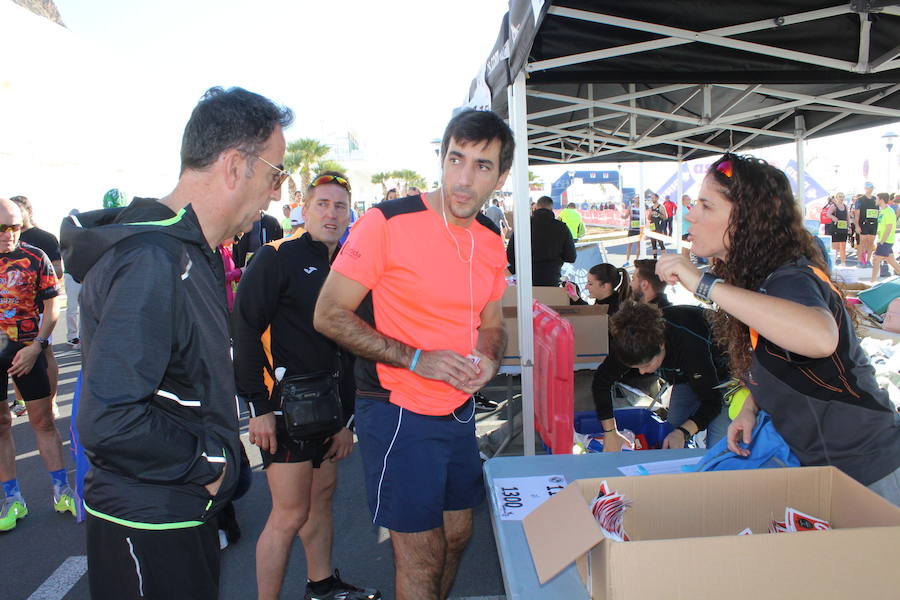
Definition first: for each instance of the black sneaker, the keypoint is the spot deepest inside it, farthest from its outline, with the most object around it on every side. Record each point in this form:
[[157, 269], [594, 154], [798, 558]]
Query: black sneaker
[[482, 404], [341, 590]]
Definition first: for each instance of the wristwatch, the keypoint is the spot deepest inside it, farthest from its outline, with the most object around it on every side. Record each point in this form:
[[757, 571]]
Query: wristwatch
[[687, 434], [704, 288], [44, 342]]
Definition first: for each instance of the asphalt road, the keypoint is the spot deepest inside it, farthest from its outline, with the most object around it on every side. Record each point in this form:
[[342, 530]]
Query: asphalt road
[[41, 557]]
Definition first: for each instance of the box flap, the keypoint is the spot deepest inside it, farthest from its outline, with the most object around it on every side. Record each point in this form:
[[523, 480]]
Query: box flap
[[559, 531], [548, 295], [854, 505]]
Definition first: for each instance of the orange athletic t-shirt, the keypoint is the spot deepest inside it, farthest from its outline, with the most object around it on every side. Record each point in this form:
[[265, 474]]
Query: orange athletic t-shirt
[[420, 292]]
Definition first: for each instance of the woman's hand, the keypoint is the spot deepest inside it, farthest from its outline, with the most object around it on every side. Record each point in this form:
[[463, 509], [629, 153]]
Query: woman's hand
[[613, 441], [741, 429], [677, 268]]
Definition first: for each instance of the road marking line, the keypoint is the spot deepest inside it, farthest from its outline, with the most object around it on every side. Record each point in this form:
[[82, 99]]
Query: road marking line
[[62, 580]]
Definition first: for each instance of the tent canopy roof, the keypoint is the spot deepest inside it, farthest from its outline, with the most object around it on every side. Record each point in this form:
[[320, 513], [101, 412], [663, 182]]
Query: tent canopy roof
[[646, 80]]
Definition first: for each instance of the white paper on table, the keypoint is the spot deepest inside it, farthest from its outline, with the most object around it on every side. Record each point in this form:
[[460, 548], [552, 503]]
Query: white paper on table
[[660, 467], [518, 496]]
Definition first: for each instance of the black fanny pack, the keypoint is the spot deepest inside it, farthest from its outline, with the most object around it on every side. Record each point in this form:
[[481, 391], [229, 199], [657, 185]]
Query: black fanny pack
[[311, 405]]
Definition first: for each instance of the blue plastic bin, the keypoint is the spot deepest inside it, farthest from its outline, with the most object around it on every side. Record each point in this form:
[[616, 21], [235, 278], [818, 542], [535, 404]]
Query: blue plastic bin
[[638, 420]]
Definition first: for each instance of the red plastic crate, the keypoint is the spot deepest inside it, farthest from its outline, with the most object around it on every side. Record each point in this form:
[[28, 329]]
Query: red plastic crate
[[554, 379]]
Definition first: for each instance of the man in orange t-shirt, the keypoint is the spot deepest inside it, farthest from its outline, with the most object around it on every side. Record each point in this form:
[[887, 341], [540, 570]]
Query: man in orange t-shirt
[[415, 295]]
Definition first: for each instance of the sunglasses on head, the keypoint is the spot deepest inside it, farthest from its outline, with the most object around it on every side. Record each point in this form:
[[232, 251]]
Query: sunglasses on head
[[280, 174], [13, 228], [725, 168], [323, 179]]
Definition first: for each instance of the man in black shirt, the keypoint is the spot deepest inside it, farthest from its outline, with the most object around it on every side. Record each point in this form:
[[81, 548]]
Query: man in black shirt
[[266, 230], [646, 286], [674, 343], [551, 245], [273, 333]]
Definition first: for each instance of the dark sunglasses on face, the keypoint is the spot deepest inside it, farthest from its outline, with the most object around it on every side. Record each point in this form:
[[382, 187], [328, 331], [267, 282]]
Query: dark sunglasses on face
[[13, 228], [279, 176], [323, 179]]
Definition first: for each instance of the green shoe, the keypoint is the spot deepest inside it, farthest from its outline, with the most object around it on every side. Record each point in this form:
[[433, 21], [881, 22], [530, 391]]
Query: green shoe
[[64, 501], [11, 510]]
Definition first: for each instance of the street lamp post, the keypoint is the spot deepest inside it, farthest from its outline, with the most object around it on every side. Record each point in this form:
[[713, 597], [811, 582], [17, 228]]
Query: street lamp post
[[889, 139]]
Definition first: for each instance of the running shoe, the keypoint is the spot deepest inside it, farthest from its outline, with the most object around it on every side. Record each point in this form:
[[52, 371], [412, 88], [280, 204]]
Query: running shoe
[[18, 408], [64, 500], [341, 590], [12, 509]]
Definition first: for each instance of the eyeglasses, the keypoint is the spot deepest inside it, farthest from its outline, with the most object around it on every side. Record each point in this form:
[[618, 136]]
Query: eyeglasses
[[13, 228], [323, 179], [280, 174]]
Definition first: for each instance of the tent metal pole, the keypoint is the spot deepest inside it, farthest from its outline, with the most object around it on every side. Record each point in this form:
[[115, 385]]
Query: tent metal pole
[[518, 116], [676, 226], [800, 132], [642, 247]]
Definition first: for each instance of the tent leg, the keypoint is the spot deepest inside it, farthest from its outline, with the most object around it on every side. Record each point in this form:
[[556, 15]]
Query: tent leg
[[518, 116], [800, 133]]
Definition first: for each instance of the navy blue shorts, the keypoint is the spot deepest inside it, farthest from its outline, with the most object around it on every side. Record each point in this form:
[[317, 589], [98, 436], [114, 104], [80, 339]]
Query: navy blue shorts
[[884, 250], [417, 466]]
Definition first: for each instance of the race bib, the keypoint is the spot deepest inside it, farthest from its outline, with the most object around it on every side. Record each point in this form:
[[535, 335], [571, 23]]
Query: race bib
[[842, 224], [871, 213], [636, 224]]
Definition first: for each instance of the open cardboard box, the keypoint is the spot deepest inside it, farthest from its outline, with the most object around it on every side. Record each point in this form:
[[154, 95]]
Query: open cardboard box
[[589, 324], [685, 545]]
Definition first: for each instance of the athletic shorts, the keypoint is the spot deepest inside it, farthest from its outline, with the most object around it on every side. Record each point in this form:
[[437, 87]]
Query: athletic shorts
[[868, 228], [884, 249], [290, 451], [632, 232], [35, 384], [417, 466]]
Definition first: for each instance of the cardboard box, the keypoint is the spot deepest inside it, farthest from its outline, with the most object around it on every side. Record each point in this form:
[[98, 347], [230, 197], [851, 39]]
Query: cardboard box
[[548, 296], [589, 324], [685, 544]]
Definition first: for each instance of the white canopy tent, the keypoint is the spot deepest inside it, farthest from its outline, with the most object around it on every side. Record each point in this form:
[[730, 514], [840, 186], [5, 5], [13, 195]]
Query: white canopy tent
[[604, 81]]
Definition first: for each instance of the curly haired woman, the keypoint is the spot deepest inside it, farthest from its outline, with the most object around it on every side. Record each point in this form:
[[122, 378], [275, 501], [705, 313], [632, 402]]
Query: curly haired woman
[[785, 326]]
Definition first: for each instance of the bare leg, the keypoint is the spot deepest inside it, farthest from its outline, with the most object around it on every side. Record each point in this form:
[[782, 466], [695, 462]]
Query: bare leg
[[317, 533], [290, 485], [419, 563], [894, 264], [49, 443], [7, 445], [457, 532], [876, 267]]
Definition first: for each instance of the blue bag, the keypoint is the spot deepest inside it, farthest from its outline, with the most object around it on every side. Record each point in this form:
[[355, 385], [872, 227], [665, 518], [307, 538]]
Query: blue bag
[[768, 450]]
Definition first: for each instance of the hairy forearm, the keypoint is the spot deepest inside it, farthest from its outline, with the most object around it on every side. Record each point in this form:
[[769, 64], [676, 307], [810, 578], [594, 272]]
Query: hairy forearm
[[492, 343], [360, 338]]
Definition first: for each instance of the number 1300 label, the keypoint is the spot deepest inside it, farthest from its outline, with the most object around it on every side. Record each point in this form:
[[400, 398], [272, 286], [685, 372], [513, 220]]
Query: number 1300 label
[[516, 497]]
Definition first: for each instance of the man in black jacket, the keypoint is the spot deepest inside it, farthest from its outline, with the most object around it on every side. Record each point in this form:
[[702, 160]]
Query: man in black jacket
[[551, 245], [157, 414], [676, 344], [274, 334]]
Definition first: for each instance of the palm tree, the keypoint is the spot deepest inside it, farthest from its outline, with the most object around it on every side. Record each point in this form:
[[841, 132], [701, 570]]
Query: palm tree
[[381, 178], [330, 165], [407, 178], [303, 156]]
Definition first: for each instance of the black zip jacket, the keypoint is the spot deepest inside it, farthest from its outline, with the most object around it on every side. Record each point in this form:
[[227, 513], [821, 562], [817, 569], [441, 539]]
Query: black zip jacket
[[551, 246], [273, 323], [157, 413], [692, 358]]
